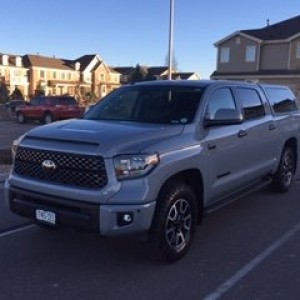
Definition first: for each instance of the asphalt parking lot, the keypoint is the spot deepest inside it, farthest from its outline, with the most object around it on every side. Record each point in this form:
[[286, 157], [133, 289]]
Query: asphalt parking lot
[[247, 250]]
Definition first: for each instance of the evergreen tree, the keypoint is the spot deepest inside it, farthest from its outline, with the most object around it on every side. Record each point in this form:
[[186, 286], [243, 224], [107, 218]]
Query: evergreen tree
[[4, 93], [139, 74], [40, 91], [17, 94]]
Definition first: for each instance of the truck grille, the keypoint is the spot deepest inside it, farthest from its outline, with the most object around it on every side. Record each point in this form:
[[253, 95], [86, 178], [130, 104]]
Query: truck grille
[[71, 169]]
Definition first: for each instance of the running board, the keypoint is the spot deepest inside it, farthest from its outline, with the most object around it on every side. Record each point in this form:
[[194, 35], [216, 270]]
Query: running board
[[235, 196]]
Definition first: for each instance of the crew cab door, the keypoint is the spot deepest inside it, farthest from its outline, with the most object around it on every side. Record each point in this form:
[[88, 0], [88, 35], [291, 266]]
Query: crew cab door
[[224, 144], [34, 109], [260, 133]]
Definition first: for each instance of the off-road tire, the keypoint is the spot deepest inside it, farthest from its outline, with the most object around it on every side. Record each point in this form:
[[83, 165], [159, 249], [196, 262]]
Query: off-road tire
[[174, 222], [284, 176]]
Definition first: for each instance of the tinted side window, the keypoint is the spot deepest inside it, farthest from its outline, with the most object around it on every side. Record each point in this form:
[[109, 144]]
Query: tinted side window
[[36, 101], [219, 100], [67, 101], [282, 100], [251, 103]]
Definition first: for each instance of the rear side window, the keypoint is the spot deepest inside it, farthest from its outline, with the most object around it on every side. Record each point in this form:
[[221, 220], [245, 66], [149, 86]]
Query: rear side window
[[62, 101], [251, 103], [67, 101], [281, 99]]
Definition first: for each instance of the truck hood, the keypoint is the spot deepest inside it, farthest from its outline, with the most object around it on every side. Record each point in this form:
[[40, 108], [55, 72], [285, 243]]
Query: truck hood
[[108, 138]]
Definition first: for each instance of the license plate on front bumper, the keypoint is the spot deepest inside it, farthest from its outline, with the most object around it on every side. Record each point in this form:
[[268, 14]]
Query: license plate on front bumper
[[48, 217]]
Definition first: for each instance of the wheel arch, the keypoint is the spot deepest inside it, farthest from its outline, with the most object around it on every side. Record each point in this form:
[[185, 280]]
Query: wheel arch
[[194, 179], [292, 143]]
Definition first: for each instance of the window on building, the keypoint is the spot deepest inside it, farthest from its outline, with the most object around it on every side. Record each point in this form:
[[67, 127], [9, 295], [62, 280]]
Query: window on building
[[224, 54], [42, 74], [250, 53], [102, 77], [252, 105], [54, 75], [18, 61], [69, 76], [5, 60], [63, 75], [298, 50]]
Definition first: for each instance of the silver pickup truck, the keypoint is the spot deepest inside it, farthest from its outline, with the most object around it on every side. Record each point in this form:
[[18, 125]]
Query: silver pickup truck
[[153, 157]]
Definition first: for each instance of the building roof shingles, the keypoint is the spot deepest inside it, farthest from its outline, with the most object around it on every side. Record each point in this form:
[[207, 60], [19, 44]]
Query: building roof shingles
[[47, 62], [279, 31]]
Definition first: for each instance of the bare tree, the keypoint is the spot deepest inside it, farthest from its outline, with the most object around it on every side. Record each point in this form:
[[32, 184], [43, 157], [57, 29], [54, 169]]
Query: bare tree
[[174, 61]]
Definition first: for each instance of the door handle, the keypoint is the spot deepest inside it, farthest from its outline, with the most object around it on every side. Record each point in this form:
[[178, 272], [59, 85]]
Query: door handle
[[242, 133], [272, 127]]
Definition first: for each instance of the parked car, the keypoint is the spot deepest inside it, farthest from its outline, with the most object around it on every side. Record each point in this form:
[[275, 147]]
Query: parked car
[[47, 109], [12, 104]]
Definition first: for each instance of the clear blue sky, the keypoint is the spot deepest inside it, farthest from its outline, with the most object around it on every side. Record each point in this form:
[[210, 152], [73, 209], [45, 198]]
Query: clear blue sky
[[127, 32]]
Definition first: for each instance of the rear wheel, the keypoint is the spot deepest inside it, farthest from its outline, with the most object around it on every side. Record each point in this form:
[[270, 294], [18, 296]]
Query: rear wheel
[[21, 118], [284, 176], [174, 222]]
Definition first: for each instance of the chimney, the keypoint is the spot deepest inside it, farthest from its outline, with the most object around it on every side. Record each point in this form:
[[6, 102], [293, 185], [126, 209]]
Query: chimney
[[268, 22]]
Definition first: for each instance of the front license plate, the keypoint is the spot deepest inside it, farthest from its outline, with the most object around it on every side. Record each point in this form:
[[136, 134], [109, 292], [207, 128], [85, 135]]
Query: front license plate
[[45, 216]]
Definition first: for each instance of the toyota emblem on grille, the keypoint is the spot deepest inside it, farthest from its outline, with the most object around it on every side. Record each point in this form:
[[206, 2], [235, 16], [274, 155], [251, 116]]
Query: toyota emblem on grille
[[48, 165]]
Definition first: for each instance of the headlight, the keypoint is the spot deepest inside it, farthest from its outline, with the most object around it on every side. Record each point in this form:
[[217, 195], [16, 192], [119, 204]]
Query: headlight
[[131, 166]]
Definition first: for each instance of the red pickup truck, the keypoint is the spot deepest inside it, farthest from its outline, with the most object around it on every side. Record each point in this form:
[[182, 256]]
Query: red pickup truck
[[49, 108]]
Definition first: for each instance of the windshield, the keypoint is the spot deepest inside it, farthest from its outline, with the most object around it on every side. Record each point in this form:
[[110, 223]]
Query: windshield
[[149, 104]]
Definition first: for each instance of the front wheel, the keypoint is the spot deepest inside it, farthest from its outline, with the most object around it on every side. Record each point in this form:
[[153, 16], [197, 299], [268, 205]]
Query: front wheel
[[284, 176], [174, 221]]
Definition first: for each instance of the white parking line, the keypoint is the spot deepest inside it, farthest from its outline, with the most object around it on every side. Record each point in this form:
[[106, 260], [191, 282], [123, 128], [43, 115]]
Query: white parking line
[[6, 233], [233, 280]]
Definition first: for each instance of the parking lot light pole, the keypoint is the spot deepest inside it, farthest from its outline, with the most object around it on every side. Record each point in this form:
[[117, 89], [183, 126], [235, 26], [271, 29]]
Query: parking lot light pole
[[171, 38]]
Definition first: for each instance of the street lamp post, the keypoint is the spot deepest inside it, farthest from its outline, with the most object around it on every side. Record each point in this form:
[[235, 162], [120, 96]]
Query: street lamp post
[[171, 38]]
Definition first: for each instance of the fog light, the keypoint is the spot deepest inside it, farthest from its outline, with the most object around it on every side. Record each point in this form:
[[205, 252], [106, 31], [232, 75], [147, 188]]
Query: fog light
[[125, 218]]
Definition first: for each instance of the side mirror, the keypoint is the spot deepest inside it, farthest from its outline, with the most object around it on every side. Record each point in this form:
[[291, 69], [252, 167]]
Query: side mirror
[[224, 116]]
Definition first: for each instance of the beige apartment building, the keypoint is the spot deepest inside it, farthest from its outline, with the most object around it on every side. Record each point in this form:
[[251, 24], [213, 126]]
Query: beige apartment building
[[13, 73], [83, 77]]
